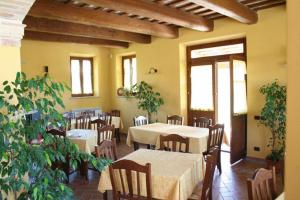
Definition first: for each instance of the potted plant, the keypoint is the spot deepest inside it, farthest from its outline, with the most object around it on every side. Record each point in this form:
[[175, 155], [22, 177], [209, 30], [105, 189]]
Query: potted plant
[[273, 116], [148, 100], [21, 158]]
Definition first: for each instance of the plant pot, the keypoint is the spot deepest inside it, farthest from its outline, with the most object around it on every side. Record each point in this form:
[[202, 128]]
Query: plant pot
[[279, 165]]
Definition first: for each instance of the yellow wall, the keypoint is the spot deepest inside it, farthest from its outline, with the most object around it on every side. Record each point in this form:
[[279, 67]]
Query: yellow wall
[[35, 55], [266, 52], [292, 160], [9, 62]]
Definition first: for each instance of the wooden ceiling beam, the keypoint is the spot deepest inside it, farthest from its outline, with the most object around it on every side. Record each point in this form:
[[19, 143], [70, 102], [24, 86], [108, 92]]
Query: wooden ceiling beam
[[81, 30], [156, 11], [66, 12], [230, 8], [50, 37]]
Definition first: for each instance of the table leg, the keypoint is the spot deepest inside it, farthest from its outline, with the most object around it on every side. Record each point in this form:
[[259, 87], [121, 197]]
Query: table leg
[[105, 195], [136, 146], [84, 169]]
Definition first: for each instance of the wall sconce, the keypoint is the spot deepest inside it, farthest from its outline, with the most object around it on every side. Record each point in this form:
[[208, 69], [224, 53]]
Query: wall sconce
[[152, 70]]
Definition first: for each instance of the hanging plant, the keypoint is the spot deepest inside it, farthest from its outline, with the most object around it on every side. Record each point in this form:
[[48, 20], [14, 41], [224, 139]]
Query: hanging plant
[[19, 158]]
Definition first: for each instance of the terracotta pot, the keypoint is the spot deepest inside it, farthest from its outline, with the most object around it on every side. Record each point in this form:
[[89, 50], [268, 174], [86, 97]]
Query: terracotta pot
[[279, 165]]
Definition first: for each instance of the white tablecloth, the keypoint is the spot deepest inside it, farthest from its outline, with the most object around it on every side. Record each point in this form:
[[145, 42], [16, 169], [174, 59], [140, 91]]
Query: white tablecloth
[[174, 175], [116, 121], [86, 140], [149, 134]]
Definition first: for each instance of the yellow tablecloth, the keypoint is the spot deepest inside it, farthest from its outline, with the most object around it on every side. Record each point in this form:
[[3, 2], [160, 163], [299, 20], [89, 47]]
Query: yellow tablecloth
[[116, 121], [174, 175], [149, 134], [86, 140]]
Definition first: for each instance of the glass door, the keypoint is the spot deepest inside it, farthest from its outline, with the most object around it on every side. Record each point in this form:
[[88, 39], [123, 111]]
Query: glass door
[[201, 90]]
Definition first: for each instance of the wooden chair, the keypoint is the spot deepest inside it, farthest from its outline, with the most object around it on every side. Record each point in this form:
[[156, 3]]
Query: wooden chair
[[262, 186], [57, 132], [174, 142], [125, 168], [107, 149], [215, 138], [65, 166], [95, 124], [140, 120], [116, 113], [201, 122], [106, 117], [106, 132], [175, 119], [207, 184], [82, 122]]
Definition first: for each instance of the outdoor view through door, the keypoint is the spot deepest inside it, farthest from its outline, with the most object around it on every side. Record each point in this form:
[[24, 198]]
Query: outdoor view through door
[[217, 89]]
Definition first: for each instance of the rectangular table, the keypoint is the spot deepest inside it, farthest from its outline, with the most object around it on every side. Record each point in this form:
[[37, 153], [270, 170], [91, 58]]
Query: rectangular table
[[174, 175], [149, 134], [85, 139], [116, 121]]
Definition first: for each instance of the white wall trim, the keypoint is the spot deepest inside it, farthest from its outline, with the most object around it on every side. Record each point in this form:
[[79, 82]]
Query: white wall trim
[[12, 14]]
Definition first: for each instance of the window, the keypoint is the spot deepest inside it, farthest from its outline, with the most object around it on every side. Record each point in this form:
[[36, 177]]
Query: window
[[129, 71], [82, 76]]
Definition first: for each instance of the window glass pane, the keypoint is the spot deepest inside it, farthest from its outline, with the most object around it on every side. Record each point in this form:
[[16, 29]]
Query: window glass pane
[[134, 72], [75, 70], [216, 51], [127, 72], [87, 77], [201, 88], [239, 86]]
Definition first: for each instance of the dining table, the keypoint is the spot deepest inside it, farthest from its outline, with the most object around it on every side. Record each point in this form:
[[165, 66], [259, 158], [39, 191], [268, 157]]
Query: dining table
[[150, 134], [85, 139], [174, 175]]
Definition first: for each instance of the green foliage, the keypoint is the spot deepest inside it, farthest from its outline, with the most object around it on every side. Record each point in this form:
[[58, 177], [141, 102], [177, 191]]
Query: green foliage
[[273, 116], [18, 157], [148, 100]]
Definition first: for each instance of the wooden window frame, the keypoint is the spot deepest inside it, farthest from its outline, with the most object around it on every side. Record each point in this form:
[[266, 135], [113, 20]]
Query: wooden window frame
[[81, 75], [130, 57]]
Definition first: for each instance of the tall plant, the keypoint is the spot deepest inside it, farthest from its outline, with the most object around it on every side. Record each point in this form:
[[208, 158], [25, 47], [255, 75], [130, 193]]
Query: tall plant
[[18, 157], [273, 116], [148, 100]]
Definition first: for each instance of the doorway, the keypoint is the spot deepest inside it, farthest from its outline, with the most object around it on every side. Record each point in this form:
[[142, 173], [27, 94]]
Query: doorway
[[217, 90]]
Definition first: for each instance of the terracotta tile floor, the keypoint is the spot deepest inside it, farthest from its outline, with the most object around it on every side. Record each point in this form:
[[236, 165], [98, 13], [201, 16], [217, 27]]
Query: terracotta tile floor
[[230, 185]]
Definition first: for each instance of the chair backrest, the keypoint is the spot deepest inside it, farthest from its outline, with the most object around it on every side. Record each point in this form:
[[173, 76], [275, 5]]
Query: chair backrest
[[175, 119], [126, 171], [215, 136], [174, 142], [82, 122], [90, 113], [201, 122], [107, 149], [262, 186], [140, 120], [106, 132], [106, 117], [68, 120], [57, 133], [211, 162], [116, 113], [96, 123]]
